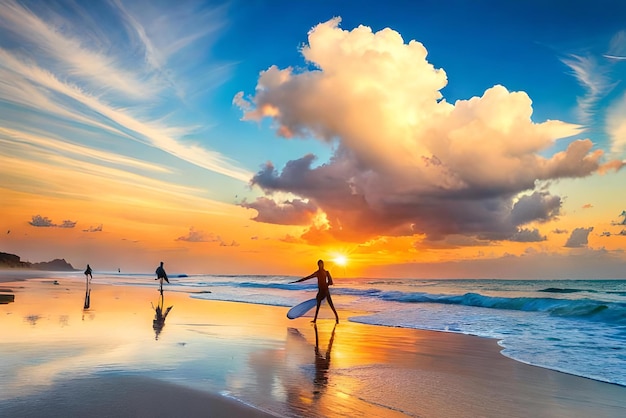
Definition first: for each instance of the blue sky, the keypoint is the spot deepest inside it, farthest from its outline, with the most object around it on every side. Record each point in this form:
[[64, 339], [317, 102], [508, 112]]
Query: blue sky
[[290, 117]]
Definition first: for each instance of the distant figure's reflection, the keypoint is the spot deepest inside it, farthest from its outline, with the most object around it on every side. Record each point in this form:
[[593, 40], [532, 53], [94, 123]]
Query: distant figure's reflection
[[322, 362], [88, 278], [159, 316]]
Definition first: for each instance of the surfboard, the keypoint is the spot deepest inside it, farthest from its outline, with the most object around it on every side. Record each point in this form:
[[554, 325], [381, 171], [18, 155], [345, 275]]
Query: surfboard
[[301, 308]]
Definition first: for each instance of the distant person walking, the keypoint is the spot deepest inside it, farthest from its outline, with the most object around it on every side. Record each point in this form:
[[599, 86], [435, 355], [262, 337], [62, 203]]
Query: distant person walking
[[161, 275], [324, 280], [88, 275]]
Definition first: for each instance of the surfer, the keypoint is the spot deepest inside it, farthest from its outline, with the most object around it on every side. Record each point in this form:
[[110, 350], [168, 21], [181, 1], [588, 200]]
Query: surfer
[[324, 280], [161, 275]]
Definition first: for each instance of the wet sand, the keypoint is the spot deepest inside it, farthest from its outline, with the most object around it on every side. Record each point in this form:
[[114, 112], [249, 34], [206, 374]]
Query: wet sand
[[232, 359]]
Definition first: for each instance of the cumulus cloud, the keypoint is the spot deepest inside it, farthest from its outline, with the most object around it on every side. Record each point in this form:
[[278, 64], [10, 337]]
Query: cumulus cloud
[[540, 206], [578, 238], [528, 235], [405, 161], [45, 222], [293, 212]]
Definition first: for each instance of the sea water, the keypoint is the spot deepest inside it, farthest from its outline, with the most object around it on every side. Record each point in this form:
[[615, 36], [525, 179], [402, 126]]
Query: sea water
[[573, 326]]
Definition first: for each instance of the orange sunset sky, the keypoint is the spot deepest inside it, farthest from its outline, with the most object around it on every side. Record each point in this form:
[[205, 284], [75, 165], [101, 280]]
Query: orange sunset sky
[[427, 140]]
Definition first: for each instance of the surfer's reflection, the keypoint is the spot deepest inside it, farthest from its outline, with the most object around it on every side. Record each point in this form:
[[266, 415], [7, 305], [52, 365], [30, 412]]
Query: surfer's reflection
[[322, 363], [159, 316]]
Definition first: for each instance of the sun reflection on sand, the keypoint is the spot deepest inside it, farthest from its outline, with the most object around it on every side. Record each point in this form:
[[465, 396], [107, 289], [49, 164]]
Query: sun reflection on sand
[[51, 338], [254, 353]]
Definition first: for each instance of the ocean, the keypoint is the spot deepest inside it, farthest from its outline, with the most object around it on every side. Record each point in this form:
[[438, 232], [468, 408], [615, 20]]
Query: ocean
[[573, 326]]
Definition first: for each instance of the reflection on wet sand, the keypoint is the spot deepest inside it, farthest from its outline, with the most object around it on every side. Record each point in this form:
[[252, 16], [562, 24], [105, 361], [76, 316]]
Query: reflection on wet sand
[[159, 315], [309, 383], [322, 363], [87, 303]]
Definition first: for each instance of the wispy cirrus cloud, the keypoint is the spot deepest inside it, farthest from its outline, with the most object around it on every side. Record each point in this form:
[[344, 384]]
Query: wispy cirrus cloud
[[73, 52], [55, 145], [617, 47], [592, 76], [187, 33], [616, 125], [597, 78], [78, 74]]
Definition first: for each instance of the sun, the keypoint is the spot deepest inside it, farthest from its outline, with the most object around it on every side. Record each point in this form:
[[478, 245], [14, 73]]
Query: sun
[[340, 260]]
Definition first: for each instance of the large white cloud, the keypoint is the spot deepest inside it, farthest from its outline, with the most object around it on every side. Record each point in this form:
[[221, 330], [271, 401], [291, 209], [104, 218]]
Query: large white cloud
[[406, 161]]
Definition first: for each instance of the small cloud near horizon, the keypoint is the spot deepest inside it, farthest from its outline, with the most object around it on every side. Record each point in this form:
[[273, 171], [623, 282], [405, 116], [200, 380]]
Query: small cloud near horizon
[[195, 235], [94, 229], [45, 222], [232, 244], [578, 238]]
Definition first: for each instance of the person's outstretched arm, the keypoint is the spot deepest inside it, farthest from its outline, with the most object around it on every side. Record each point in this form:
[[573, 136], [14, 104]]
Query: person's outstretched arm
[[304, 278]]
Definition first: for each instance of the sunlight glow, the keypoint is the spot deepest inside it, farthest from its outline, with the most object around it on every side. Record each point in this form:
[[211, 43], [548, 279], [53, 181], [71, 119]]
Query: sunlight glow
[[340, 260]]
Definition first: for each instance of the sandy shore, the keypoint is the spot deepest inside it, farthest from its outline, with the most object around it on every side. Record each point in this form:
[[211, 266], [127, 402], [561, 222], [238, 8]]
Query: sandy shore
[[230, 359]]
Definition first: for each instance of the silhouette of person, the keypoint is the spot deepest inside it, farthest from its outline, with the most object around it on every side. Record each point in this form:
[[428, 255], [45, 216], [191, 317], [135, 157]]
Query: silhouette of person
[[161, 275], [324, 280], [88, 277], [88, 273]]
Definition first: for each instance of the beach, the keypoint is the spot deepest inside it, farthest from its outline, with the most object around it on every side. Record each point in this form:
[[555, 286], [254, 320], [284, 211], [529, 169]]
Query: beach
[[216, 358]]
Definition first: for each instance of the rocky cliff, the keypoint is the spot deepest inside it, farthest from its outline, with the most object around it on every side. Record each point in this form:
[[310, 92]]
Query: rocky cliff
[[13, 261]]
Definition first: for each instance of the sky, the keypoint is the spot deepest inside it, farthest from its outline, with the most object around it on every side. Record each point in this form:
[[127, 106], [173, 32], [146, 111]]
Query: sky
[[425, 139]]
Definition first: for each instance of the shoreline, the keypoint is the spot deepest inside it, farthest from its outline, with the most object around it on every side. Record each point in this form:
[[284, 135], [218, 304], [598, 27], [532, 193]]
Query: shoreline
[[256, 355]]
